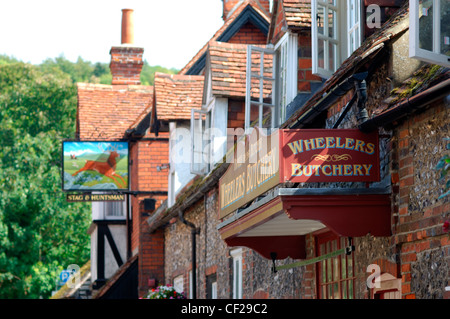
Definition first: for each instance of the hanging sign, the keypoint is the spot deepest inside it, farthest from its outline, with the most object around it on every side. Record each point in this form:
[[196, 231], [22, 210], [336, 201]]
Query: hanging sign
[[263, 161], [95, 166], [253, 171], [330, 156]]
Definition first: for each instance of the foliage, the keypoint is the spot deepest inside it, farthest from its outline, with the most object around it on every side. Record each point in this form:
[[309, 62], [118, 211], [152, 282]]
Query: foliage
[[84, 71], [148, 73], [444, 167], [164, 292], [40, 233]]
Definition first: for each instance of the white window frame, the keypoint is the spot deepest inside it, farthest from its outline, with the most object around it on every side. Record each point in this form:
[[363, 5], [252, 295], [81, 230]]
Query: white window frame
[[434, 56], [171, 182], [236, 255], [191, 285], [200, 145], [286, 72], [261, 78], [347, 29], [178, 284], [354, 25], [284, 79], [101, 210], [214, 290]]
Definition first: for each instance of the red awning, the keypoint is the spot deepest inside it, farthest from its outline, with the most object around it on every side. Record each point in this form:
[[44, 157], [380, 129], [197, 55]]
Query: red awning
[[278, 224]]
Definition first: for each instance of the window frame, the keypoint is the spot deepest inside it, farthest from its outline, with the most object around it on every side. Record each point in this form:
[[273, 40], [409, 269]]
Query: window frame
[[283, 79], [205, 167], [343, 33], [236, 255], [415, 51], [323, 239], [249, 75], [287, 85], [100, 209], [177, 282]]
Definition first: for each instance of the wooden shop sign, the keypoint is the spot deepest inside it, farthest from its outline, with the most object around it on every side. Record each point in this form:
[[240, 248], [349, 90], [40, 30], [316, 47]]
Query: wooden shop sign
[[261, 162], [329, 156]]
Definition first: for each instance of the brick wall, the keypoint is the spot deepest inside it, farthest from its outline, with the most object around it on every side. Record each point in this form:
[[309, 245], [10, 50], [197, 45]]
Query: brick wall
[[229, 6], [279, 23], [146, 156], [249, 34], [236, 114], [126, 65], [213, 257], [424, 247]]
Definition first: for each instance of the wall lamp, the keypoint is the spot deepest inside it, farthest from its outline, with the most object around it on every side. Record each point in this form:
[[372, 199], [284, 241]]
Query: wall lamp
[[159, 168]]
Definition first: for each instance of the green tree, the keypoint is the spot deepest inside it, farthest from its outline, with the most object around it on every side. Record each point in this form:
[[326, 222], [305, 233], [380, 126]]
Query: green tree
[[148, 73], [40, 233], [444, 167]]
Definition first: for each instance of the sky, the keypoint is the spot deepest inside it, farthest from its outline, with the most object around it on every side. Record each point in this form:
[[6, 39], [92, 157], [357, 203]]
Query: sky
[[170, 31], [78, 148]]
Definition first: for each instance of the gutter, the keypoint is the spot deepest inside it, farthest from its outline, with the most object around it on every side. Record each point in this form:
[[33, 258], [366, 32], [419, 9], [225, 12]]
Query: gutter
[[328, 99], [407, 107]]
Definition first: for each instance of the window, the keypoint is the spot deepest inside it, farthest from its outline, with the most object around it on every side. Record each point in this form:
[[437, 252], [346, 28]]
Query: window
[[200, 129], [429, 32], [108, 210], [336, 33], [236, 255], [336, 275], [178, 284], [271, 82], [211, 286], [214, 290], [191, 285]]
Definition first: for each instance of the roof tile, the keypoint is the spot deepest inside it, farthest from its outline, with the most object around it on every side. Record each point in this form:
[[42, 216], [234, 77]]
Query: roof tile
[[107, 111], [176, 95]]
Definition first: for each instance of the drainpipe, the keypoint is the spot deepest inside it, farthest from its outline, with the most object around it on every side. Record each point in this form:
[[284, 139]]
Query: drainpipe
[[194, 231], [361, 91]]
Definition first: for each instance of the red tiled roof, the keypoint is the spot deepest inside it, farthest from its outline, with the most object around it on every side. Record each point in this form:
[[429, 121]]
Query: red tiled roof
[[224, 27], [228, 68], [176, 95], [107, 111], [298, 13]]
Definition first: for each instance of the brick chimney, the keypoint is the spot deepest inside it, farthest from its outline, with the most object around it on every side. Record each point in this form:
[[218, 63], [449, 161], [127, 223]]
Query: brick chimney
[[126, 59], [230, 5]]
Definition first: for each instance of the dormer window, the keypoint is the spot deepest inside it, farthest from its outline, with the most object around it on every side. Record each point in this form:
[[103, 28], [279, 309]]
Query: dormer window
[[336, 33], [429, 29]]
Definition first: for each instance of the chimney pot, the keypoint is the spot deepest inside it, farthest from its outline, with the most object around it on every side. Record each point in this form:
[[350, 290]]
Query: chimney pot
[[126, 60], [127, 26]]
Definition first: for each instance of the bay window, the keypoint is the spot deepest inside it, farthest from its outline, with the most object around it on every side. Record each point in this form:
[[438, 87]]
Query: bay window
[[336, 33], [429, 27]]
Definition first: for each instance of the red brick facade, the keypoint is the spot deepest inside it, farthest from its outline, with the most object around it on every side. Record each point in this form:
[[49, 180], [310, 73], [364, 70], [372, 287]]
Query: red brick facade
[[249, 34]]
